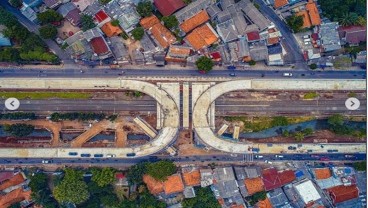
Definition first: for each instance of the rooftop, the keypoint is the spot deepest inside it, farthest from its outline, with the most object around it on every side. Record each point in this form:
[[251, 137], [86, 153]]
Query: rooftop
[[253, 36], [264, 204], [162, 35], [99, 46], [66, 8], [14, 196], [227, 31], [153, 185], [191, 9], [329, 36], [101, 16], [173, 184], [17, 179], [194, 21], [82, 4], [224, 174], [253, 185], [277, 198], [353, 34], [192, 178], [313, 13], [52, 3], [168, 7], [111, 30], [148, 22], [280, 3], [273, 179], [342, 193], [307, 191], [322, 173], [202, 36]]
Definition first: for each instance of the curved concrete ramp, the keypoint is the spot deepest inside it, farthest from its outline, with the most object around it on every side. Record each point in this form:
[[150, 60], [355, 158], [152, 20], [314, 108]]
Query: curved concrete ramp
[[201, 124], [166, 136]]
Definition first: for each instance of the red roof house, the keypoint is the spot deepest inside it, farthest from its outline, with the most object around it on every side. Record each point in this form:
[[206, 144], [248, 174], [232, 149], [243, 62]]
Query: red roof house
[[99, 46], [343, 193], [101, 16], [273, 179], [253, 36], [168, 7], [353, 34]]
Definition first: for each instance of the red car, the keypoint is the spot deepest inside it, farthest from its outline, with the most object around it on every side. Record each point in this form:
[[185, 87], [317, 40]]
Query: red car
[[324, 159]]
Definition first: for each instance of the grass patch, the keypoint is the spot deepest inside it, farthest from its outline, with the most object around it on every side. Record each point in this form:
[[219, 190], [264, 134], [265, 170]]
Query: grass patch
[[311, 95], [45, 95], [257, 124], [352, 94]]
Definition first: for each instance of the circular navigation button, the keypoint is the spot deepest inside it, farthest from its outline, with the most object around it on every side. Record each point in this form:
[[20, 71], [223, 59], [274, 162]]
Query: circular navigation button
[[12, 103], [352, 103]]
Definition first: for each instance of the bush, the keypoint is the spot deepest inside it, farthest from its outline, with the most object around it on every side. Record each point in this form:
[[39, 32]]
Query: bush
[[279, 121], [352, 94], [299, 136], [285, 133], [49, 16], [144, 8], [161, 170], [48, 32], [15, 3], [295, 23], [336, 120], [19, 130], [311, 95], [18, 116], [115, 22], [138, 33], [361, 166], [77, 116], [170, 21], [313, 66], [204, 64], [87, 22], [308, 131], [252, 62]]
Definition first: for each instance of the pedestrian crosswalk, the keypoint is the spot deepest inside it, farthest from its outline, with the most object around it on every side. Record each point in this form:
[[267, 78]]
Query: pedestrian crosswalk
[[248, 157]]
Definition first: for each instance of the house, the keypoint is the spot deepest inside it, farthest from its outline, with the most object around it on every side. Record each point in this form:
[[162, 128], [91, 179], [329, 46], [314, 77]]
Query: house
[[29, 13], [125, 12], [253, 15], [329, 36], [353, 35], [100, 47], [78, 46], [322, 173], [178, 54], [213, 10], [92, 33], [310, 15], [168, 7], [159, 58], [173, 184], [163, 37], [14, 189], [70, 12], [111, 30], [194, 21], [52, 4], [307, 192], [339, 194], [83, 4], [101, 18], [273, 179], [264, 204], [224, 174], [227, 31], [239, 50], [275, 55], [121, 55], [32, 3], [258, 51], [149, 22], [253, 185], [206, 177], [361, 59], [202, 37], [253, 36], [191, 9], [252, 172], [148, 47], [278, 198], [192, 178], [280, 3], [154, 186], [121, 179]]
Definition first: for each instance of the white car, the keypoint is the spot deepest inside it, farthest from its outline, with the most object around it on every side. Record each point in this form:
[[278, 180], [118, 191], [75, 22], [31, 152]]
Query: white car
[[287, 74], [46, 161], [110, 155], [279, 156], [269, 162], [259, 156]]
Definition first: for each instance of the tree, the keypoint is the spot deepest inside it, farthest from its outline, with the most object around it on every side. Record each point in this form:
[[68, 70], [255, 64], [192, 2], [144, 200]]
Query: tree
[[9, 55], [48, 31], [204, 198], [115, 22], [138, 33], [103, 176], [313, 66], [38, 182], [144, 8], [187, 1], [295, 22], [336, 120], [72, 188], [136, 172], [161, 170], [49, 16], [299, 136], [104, 1], [204, 64], [349, 18], [252, 62], [279, 121], [87, 22], [361, 21], [308, 131], [15, 3], [285, 133], [360, 166], [170, 21], [19, 130]]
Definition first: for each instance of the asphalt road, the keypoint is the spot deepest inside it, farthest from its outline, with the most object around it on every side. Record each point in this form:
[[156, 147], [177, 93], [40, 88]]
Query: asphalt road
[[165, 73], [224, 106], [187, 159]]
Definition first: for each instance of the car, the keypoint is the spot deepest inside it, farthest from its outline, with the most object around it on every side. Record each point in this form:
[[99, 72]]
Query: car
[[269, 162], [85, 155], [46, 161], [232, 75], [130, 154], [98, 155], [231, 67], [110, 155], [324, 159], [287, 74], [279, 156], [259, 156], [73, 153], [262, 75]]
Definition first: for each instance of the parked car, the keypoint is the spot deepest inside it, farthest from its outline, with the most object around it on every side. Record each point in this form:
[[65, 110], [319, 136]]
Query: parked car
[[279, 156], [46, 161], [232, 75], [110, 155], [85, 155], [130, 154], [73, 153], [258, 156], [98, 155], [267, 161], [287, 74]]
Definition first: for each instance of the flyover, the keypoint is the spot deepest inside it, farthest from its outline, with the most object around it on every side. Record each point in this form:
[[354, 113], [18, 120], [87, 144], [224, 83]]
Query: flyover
[[170, 112], [202, 125]]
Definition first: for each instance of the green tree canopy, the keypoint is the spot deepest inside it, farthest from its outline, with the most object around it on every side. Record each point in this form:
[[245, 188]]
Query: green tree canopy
[[136, 172], [49, 16], [103, 176], [144, 8], [295, 22], [19, 130], [72, 188], [138, 33], [104, 1], [338, 10], [161, 170], [336, 120], [170, 21], [38, 182], [115, 22], [204, 64], [279, 121], [299, 136], [48, 32], [350, 18], [9, 55], [361, 166], [15, 3], [87, 22], [204, 198]]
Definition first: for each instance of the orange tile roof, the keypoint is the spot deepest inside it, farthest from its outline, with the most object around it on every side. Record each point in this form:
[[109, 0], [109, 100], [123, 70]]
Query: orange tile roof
[[254, 185], [153, 185], [111, 30], [163, 36], [173, 184], [192, 178], [273, 40], [264, 204], [201, 37], [17, 179], [280, 3], [148, 22], [343, 193], [237, 206], [194, 21], [306, 20], [322, 173], [313, 12], [14, 196]]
